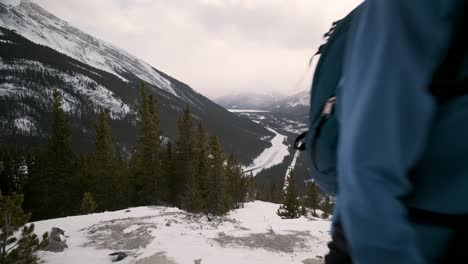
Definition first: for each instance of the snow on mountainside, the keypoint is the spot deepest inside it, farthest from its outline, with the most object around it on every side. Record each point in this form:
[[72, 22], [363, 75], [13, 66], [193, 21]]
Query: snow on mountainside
[[80, 85], [249, 100], [299, 99], [164, 235], [295, 106], [40, 53], [39, 26]]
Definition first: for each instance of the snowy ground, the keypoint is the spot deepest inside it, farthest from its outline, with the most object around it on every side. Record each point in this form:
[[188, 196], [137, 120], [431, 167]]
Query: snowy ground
[[159, 235]]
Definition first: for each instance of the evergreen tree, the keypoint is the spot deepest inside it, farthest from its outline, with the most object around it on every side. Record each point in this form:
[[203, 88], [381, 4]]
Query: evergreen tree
[[312, 199], [201, 165], [291, 206], [147, 161], [217, 191], [104, 169], [54, 188], [234, 179], [249, 188], [168, 172], [17, 249], [88, 206], [327, 207], [184, 156], [14, 175]]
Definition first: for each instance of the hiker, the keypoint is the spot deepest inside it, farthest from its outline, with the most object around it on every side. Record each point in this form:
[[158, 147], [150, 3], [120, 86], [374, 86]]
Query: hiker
[[402, 157], [388, 132]]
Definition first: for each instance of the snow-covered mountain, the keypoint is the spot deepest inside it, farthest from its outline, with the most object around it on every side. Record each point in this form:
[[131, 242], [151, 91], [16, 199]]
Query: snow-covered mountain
[[254, 234], [247, 100], [296, 105], [41, 27], [39, 52]]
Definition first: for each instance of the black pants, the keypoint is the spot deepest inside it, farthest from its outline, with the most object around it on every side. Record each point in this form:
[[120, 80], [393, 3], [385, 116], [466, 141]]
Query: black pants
[[457, 250], [339, 253]]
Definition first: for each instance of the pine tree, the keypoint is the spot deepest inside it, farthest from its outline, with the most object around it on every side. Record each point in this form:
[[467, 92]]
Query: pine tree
[[291, 206], [54, 188], [312, 199], [147, 161], [168, 173], [13, 177], [19, 249], [104, 168], [217, 191], [201, 165], [249, 188], [88, 206], [327, 207], [184, 155], [234, 179]]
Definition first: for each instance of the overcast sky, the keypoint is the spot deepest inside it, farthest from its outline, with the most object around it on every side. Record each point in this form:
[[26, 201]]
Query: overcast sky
[[216, 46]]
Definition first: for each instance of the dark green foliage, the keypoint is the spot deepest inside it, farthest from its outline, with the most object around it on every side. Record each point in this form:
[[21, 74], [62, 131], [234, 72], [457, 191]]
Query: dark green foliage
[[88, 206], [327, 207], [22, 249], [234, 182], [55, 183], [146, 163], [184, 156], [291, 206], [312, 199], [104, 169], [272, 192], [13, 174], [168, 172], [217, 192]]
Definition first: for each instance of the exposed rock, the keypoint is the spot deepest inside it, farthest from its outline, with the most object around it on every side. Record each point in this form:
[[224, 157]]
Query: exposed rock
[[56, 244], [197, 261], [118, 256]]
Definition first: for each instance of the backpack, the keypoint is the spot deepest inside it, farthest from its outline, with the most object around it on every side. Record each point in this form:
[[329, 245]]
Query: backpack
[[321, 140]]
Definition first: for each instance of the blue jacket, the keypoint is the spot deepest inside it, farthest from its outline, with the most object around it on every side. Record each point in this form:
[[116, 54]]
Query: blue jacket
[[391, 127]]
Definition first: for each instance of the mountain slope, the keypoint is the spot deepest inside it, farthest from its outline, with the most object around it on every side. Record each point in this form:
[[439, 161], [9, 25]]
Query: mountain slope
[[295, 106], [93, 75], [254, 100]]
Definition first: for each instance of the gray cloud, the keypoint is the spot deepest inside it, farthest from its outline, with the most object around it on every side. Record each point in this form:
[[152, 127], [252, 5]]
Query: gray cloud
[[217, 46]]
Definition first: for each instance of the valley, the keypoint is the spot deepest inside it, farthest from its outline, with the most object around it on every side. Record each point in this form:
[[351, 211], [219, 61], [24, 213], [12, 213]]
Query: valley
[[279, 159]]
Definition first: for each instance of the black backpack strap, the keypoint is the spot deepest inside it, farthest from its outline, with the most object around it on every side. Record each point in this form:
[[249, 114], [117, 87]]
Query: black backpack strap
[[420, 216], [445, 85], [299, 143]]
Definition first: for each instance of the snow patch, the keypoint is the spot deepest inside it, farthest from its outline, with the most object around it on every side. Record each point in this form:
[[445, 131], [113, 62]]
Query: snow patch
[[25, 124], [131, 229], [6, 41], [290, 169], [99, 96]]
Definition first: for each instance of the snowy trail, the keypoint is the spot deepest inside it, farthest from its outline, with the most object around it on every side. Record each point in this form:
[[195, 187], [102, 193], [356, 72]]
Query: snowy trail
[[271, 156]]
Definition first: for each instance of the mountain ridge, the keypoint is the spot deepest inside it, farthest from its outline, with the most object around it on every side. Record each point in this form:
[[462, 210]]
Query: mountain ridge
[[28, 70]]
